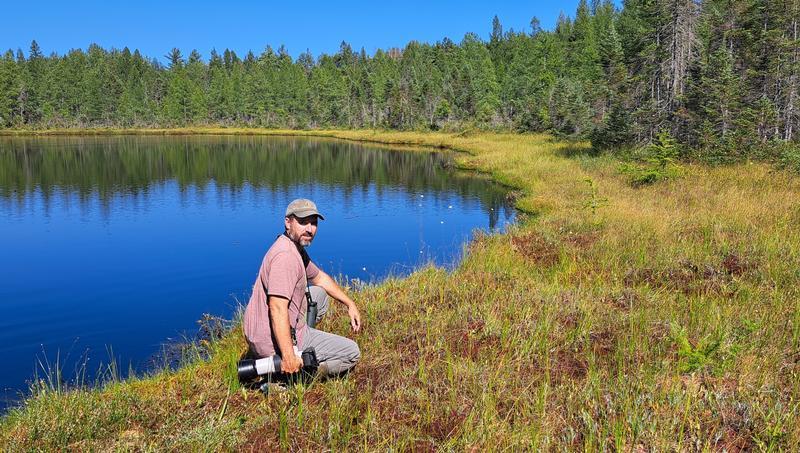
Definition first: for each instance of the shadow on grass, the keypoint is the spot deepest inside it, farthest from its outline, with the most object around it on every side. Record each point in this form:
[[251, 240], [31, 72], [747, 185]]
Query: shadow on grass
[[577, 150]]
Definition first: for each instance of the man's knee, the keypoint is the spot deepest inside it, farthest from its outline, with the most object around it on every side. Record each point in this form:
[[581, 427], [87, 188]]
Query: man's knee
[[354, 352], [343, 362]]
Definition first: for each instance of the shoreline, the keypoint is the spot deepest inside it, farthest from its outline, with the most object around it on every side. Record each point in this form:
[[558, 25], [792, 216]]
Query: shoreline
[[611, 301]]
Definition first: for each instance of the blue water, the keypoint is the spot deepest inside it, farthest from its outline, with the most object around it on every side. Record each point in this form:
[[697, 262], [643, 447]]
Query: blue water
[[113, 246]]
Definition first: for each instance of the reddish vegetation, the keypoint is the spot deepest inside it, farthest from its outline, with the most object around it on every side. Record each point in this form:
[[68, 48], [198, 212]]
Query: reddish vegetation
[[735, 265], [569, 320], [603, 342], [688, 277], [731, 424], [734, 442], [261, 439], [424, 445], [444, 427], [659, 331], [536, 248], [625, 300], [567, 365], [581, 240], [471, 341], [694, 278]]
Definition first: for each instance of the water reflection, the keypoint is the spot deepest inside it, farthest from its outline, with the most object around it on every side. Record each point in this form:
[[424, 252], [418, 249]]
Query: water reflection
[[102, 168]]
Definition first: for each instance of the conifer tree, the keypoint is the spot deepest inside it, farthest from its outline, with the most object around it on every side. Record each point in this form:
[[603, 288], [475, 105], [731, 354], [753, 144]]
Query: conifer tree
[[482, 87], [177, 101], [9, 89], [197, 86], [217, 78], [584, 53], [31, 92], [383, 69]]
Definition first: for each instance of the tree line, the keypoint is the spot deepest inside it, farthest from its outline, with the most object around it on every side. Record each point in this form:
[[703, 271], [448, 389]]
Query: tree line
[[717, 75]]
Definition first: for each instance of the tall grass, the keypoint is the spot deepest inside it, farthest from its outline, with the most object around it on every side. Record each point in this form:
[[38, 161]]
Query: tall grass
[[663, 317]]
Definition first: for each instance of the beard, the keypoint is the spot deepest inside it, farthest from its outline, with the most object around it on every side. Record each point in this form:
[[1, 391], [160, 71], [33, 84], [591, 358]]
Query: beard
[[303, 241]]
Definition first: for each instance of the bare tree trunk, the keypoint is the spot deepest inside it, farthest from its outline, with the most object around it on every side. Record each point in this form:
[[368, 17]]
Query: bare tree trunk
[[788, 131], [680, 39]]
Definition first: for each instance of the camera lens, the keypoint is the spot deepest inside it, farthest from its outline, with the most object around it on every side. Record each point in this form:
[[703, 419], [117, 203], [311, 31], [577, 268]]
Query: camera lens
[[246, 369]]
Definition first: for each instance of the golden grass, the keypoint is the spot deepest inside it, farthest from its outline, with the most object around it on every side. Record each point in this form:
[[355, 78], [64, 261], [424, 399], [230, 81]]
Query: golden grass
[[659, 318]]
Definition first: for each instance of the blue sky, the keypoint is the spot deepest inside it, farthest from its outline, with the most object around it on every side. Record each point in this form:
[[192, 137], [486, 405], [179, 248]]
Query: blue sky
[[154, 27]]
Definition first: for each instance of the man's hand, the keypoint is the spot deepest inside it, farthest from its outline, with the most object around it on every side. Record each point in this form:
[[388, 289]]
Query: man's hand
[[279, 318], [355, 317], [291, 364], [329, 285]]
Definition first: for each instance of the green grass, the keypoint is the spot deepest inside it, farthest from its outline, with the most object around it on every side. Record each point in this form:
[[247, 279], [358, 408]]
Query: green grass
[[664, 317]]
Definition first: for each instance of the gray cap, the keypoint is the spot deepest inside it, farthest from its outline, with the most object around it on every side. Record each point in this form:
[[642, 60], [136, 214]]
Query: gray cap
[[303, 208]]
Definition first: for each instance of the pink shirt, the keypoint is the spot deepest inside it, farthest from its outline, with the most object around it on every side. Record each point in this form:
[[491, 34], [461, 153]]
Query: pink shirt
[[281, 274]]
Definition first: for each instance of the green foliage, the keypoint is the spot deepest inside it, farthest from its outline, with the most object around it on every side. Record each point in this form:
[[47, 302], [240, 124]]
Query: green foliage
[[663, 152], [570, 112], [9, 89], [481, 98], [594, 201], [695, 357], [658, 162], [789, 158], [442, 113], [615, 132]]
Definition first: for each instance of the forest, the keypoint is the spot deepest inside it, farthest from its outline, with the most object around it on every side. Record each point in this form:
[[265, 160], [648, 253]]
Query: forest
[[720, 77]]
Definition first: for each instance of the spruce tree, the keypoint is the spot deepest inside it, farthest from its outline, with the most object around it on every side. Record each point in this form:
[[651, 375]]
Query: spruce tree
[[31, 92], [217, 78], [197, 85], [177, 106], [9, 89], [482, 87]]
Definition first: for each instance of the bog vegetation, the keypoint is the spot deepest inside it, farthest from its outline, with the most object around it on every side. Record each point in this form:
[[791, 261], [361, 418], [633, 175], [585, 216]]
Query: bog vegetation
[[721, 77], [642, 304], [662, 317]]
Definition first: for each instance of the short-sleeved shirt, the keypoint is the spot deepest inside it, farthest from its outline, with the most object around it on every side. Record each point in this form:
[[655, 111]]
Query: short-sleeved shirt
[[281, 274]]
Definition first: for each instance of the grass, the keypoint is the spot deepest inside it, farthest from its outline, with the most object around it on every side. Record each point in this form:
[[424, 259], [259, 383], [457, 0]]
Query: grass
[[664, 317]]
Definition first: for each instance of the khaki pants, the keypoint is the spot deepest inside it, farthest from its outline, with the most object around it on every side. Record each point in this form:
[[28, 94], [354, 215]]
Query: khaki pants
[[339, 354]]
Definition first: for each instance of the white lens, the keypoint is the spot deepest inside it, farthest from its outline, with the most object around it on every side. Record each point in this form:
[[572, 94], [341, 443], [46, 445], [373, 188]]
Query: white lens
[[265, 366]]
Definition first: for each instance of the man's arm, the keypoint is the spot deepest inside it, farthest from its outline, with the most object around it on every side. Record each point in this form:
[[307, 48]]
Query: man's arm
[[279, 321], [330, 286]]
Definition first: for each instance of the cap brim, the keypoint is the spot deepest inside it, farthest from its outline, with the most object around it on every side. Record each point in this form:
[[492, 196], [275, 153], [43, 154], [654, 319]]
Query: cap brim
[[308, 213]]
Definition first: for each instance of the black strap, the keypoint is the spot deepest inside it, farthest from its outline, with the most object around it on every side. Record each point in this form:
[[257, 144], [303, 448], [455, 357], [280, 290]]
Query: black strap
[[306, 259]]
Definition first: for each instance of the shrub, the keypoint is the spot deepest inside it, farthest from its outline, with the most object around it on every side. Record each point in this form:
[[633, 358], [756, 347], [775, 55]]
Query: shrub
[[789, 158], [658, 162], [615, 132]]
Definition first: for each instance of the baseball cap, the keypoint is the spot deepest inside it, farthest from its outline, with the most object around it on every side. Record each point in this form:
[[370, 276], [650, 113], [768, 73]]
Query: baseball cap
[[302, 207]]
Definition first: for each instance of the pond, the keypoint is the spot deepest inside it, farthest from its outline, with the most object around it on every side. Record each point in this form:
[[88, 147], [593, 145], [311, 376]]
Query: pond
[[112, 246]]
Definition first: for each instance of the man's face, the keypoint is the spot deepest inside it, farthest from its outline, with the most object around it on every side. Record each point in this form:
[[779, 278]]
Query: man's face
[[301, 230]]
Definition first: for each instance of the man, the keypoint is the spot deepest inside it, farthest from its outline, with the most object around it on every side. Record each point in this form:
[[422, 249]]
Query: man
[[275, 317]]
